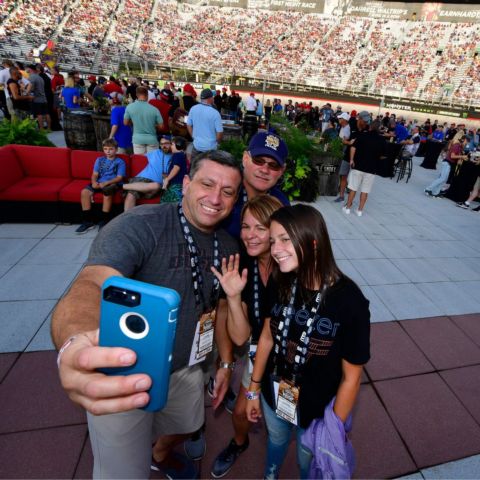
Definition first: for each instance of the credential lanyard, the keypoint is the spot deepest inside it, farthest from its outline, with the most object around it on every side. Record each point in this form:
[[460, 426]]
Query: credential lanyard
[[281, 338], [197, 277]]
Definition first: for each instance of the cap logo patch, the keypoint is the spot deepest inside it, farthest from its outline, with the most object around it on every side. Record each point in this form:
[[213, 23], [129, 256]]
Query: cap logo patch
[[273, 142]]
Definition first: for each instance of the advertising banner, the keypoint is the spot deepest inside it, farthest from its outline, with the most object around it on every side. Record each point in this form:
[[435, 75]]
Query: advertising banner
[[306, 6], [229, 3], [427, 11]]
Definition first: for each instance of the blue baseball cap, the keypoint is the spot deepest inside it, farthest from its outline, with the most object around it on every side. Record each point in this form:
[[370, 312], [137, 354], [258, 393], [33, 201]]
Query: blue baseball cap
[[269, 145]]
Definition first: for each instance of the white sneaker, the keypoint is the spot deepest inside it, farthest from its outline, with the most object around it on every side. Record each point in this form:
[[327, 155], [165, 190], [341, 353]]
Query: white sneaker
[[346, 210], [359, 213]]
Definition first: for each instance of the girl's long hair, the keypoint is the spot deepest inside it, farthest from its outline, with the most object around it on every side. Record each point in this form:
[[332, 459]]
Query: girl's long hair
[[309, 235]]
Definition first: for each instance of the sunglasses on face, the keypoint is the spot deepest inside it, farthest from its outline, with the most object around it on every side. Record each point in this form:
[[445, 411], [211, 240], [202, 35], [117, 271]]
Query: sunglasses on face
[[274, 166]]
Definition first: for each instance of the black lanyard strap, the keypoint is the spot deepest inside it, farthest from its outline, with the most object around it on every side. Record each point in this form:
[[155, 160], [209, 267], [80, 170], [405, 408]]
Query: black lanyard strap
[[281, 337], [197, 277]]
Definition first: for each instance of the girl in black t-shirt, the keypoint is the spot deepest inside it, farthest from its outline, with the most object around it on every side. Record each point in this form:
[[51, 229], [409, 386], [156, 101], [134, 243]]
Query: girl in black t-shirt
[[244, 280], [315, 342]]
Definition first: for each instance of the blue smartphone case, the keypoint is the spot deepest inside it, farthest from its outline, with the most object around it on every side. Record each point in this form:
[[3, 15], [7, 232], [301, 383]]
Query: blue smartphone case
[[142, 317]]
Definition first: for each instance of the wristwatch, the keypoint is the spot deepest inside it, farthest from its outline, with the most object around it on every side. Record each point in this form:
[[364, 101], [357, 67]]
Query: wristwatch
[[230, 365]]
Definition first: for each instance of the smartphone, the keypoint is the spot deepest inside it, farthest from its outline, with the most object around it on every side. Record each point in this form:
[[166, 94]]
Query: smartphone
[[142, 317]]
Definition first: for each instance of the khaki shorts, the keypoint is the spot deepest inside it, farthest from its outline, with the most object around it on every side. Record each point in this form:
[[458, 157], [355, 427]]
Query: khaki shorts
[[476, 187], [360, 181], [122, 442], [138, 195], [143, 149]]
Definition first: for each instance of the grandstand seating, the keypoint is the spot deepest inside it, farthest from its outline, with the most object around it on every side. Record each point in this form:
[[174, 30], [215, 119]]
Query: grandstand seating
[[426, 60]]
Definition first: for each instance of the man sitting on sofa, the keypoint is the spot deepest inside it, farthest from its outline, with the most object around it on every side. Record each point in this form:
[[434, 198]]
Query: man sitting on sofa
[[157, 169]]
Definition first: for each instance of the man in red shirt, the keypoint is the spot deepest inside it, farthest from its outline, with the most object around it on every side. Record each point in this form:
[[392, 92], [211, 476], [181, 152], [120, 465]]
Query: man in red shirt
[[112, 86], [162, 105]]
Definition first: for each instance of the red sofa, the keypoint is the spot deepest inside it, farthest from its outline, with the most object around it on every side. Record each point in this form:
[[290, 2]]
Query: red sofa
[[40, 184]]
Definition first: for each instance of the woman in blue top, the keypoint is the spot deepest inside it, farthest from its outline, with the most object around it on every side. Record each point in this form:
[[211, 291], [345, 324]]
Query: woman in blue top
[[70, 94]]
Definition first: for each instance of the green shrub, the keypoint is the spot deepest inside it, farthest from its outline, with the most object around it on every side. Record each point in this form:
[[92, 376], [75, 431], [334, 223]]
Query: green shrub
[[235, 146], [23, 132]]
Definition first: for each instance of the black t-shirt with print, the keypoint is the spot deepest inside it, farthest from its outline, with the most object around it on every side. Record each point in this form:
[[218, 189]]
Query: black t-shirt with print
[[341, 331]]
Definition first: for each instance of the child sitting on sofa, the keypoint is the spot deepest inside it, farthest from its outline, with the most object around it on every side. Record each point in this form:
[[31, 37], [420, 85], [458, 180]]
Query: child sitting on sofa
[[107, 177]]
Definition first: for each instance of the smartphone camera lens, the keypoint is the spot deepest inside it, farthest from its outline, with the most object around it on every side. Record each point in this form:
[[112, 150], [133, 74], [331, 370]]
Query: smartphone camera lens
[[135, 324]]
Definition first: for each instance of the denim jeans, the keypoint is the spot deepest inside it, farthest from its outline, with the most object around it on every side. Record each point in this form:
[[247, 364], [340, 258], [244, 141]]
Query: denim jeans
[[279, 433], [437, 184]]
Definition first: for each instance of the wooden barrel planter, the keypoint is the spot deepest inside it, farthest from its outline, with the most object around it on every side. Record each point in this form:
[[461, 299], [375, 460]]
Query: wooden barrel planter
[[78, 130], [328, 167], [250, 126], [232, 132], [101, 125]]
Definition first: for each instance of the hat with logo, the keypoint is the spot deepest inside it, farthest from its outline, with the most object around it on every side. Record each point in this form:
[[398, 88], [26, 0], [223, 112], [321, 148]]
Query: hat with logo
[[365, 116], [165, 95], [206, 93], [269, 145], [92, 78], [344, 116], [353, 113]]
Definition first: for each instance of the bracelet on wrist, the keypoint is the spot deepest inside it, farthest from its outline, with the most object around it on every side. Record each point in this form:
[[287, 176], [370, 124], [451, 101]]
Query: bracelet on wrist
[[68, 342], [255, 381], [229, 365], [252, 394]]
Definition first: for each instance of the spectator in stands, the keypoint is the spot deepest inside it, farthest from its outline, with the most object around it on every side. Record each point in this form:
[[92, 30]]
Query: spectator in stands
[[146, 120], [158, 167], [108, 174], [119, 131], [20, 104], [365, 153], [70, 95], [205, 124], [39, 103]]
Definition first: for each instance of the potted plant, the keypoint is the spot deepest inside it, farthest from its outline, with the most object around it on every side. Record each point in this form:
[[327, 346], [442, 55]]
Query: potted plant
[[23, 132]]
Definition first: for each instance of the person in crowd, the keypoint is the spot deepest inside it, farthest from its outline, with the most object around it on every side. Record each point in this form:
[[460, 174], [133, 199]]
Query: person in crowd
[[146, 121], [51, 110], [204, 124], [119, 131], [70, 95], [365, 153], [162, 104], [473, 195], [326, 113], [99, 90], [171, 185], [149, 181], [251, 104], [454, 155], [330, 132], [344, 135], [21, 104], [173, 246], [108, 174], [264, 162], [438, 135], [321, 316], [246, 299], [36, 87], [7, 64], [411, 144]]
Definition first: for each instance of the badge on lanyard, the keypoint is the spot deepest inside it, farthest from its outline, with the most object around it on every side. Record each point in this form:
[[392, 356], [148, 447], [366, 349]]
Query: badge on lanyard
[[252, 351], [203, 339], [287, 395]]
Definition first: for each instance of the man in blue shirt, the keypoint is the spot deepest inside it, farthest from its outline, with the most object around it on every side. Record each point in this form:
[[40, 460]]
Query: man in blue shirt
[[120, 132], [438, 134], [156, 170], [204, 124], [401, 132]]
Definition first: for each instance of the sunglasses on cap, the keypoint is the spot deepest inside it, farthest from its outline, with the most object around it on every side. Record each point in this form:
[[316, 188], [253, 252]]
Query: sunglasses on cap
[[273, 165]]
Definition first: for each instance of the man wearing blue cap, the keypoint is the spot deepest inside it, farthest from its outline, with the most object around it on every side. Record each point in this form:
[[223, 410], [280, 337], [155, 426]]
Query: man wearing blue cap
[[263, 164]]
